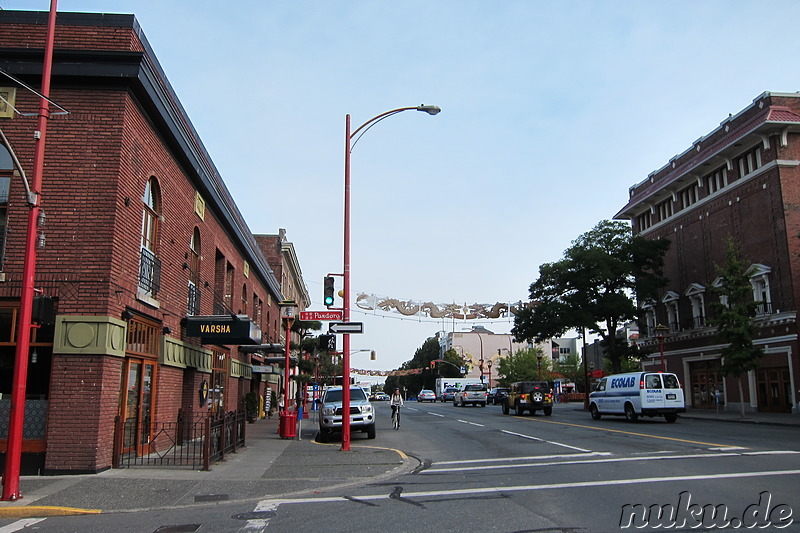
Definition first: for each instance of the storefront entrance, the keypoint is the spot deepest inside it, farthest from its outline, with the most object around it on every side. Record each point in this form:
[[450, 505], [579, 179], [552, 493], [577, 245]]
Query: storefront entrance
[[708, 387], [774, 390], [138, 386]]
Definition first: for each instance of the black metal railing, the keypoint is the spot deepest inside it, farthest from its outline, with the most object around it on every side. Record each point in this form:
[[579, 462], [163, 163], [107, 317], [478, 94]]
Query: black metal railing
[[149, 272], [187, 442]]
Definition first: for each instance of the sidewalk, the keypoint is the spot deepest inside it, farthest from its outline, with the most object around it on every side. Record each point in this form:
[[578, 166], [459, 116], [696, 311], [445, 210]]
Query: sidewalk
[[268, 466], [734, 415]]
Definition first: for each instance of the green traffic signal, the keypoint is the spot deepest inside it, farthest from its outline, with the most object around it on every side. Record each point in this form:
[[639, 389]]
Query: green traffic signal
[[329, 290]]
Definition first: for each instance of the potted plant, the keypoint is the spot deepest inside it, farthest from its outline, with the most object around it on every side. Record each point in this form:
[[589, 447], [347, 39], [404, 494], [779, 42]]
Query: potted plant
[[251, 406]]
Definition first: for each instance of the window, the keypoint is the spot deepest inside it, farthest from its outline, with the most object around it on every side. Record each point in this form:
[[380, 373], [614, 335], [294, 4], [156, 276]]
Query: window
[[689, 195], [649, 319], [664, 209], [723, 299], [670, 300], [150, 265], [193, 306], [243, 310], [652, 381], [750, 161], [716, 180], [695, 294], [644, 221], [761, 294], [6, 170]]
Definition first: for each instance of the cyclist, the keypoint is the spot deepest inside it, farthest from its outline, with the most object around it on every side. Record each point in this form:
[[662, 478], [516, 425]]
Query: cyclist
[[396, 401]]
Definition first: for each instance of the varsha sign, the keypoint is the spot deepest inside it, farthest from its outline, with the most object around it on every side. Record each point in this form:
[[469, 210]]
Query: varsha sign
[[223, 329]]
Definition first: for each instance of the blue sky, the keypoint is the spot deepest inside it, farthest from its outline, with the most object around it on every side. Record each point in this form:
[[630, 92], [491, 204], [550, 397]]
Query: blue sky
[[550, 112]]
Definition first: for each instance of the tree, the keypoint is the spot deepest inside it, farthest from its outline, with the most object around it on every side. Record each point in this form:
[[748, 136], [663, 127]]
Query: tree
[[420, 374], [732, 314], [594, 286], [572, 370], [524, 366]]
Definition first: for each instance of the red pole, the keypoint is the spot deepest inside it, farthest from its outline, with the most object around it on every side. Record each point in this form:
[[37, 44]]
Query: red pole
[[346, 297], [11, 490], [287, 366]]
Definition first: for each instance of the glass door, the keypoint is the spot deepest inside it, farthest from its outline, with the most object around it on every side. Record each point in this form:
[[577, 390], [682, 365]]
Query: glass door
[[137, 404]]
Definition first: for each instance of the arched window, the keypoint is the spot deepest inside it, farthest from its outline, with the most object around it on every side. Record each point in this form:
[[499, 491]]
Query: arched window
[[150, 265], [193, 307]]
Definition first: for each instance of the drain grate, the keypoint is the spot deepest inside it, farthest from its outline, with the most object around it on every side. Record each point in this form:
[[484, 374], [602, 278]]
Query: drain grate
[[210, 497], [255, 515]]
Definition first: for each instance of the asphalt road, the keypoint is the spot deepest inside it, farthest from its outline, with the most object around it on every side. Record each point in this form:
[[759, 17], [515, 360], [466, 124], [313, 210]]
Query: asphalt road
[[484, 471]]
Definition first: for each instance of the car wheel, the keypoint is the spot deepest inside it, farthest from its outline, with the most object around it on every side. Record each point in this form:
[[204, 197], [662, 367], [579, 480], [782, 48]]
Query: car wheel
[[548, 411], [371, 431], [594, 412], [671, 417], [520, 409], [505, 409], [322, 436], [630, 413]]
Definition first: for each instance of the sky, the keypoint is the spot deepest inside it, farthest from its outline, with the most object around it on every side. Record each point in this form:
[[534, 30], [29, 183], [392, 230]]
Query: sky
[[551, 111]]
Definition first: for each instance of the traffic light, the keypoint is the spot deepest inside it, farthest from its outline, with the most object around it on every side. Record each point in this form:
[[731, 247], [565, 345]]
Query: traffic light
[[329, 289], [372, 355], [433, 364], [327, 343]]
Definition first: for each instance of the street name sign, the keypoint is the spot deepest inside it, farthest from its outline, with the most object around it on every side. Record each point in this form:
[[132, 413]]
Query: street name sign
[[346, 327], [320, 315]]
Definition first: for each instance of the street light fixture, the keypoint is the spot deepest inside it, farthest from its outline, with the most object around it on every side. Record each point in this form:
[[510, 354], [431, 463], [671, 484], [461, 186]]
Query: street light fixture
[[348, 148], [661, 334]]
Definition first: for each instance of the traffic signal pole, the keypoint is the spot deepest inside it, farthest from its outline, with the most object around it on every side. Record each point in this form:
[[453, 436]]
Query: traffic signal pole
[[11, 490]]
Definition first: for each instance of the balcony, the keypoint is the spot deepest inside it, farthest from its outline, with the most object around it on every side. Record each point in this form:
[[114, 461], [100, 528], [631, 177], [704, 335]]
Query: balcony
[[149, 273]]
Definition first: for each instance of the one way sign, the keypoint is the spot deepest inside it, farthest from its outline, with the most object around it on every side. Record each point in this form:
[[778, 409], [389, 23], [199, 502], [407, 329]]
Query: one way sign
[[346, 327]]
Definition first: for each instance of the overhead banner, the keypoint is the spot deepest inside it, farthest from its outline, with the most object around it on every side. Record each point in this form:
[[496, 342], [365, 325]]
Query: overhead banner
[[372, 302]]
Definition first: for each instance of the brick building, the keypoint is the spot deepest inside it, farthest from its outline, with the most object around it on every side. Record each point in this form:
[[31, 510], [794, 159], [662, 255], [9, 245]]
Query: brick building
[[740, 181], [142, 238]]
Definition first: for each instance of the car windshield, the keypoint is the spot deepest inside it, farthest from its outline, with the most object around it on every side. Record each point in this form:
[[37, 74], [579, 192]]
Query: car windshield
[[336, 395]]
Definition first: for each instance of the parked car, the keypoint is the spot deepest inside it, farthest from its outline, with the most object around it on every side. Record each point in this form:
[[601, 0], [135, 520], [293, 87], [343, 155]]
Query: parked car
[[426, 395], [362, 414], [474, 394], [497, 395], [529, 396], [448, 394], [381, 397]]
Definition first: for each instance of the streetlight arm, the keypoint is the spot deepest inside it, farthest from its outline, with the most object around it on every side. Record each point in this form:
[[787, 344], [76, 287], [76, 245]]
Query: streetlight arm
[[430, 109]]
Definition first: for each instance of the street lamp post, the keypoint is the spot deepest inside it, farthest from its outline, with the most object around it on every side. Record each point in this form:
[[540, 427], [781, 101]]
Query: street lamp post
[[287, 314], [489, 364], [539, 358], [348, 144], [661, 334]]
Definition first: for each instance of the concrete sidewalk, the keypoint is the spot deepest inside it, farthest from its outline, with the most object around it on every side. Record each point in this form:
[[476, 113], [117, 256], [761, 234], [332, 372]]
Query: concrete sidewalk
[[267, 467]]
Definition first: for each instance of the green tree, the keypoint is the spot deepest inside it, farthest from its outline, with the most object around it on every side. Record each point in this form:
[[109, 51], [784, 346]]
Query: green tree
[[732, 314], [421, 375], [450, 366], [524, 366], [572, 370], [594, 286]]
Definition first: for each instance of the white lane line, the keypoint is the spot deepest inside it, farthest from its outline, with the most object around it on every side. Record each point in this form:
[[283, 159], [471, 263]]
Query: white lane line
[[470, 423], [523, 488], [436, 470], [728, 448], [436, 414], [19, 525], [525, 458], [547, 441]]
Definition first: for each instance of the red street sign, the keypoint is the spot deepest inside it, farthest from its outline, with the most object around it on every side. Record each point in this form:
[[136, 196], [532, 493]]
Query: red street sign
[[320, 315]]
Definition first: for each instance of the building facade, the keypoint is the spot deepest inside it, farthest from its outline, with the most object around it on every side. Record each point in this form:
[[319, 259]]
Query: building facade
[[143, 242], [741, 182]]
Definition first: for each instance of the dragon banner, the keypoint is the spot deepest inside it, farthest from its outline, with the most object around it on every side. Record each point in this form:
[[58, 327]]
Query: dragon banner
[[371, 302]]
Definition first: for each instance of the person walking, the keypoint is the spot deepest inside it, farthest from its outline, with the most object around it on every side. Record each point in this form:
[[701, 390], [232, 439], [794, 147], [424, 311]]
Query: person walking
[[268, 402]]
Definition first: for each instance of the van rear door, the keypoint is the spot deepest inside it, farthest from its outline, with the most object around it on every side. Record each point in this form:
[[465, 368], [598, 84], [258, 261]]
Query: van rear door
[[653, 392], [673, 393]]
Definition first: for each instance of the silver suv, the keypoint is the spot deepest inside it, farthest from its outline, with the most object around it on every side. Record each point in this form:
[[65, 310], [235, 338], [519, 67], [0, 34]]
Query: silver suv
[[474, 394], [362, 415]]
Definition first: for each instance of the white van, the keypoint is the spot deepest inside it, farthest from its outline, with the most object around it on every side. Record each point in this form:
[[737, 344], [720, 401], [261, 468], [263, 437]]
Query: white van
[[638, 393]]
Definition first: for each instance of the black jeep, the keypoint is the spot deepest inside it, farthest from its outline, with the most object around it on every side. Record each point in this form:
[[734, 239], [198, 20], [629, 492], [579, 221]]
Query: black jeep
[[530, 396]]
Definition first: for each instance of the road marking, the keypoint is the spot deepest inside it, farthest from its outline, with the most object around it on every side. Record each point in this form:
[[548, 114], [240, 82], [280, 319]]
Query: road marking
[[19, 525], [547, 441], [525, 488], [592, 461], [525, 458], [471, 423], [725, 446], [436, 414]]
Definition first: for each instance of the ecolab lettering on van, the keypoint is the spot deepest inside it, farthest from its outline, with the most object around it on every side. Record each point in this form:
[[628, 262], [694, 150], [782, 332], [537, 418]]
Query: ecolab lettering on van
[[623, 383]]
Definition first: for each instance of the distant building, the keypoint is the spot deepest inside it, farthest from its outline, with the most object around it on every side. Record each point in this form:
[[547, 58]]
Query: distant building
[[740, 181]]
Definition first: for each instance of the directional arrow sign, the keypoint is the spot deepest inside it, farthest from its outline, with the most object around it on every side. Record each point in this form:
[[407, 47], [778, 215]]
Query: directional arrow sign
[[346, 327]]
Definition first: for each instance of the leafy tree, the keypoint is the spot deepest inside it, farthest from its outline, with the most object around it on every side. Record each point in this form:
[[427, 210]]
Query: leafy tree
[[524, 366], [594, 286], [421, 362], [451, 365], [572, 370], [733, 316]]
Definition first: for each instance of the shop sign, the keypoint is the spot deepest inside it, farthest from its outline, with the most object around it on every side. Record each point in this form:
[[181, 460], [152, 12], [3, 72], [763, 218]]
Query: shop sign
[[223, 329]]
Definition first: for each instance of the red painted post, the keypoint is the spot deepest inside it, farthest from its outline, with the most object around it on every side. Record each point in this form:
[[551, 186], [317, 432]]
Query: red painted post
[[11, 489]]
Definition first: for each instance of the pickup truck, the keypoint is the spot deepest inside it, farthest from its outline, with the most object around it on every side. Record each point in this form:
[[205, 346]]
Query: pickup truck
[[474, 394]]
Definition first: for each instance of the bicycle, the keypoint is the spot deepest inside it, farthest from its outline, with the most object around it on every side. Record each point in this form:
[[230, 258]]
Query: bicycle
[[396, 417]]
